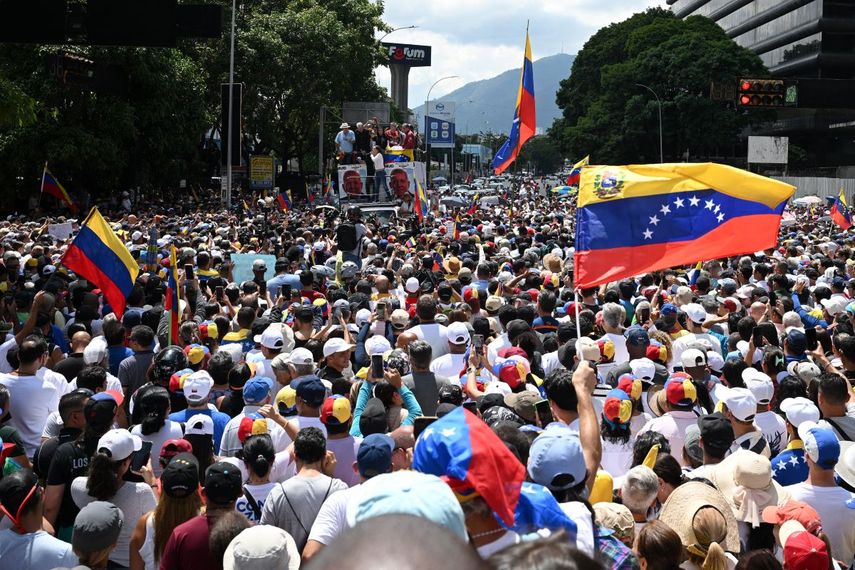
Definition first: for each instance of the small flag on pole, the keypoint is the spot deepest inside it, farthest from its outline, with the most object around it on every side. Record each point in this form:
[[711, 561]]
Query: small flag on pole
[[284, 200], [52, 187]]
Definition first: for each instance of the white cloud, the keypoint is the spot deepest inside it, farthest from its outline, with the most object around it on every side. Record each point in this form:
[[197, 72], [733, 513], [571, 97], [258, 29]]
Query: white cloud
[[478, 39]]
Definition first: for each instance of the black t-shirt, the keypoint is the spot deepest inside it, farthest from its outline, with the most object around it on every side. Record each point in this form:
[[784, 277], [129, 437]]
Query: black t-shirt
[[10, 434], [70, 460], [45, 452], [232, 403], [328, 373]]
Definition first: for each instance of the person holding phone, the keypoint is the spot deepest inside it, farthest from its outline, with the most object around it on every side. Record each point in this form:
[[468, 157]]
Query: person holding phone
[[106, 482]]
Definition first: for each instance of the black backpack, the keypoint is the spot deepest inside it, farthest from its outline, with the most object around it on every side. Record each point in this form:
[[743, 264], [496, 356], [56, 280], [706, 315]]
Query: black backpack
[[346, 236]]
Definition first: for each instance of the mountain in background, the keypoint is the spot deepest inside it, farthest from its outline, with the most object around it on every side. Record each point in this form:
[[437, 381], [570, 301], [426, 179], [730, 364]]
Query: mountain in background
[[488, 105]]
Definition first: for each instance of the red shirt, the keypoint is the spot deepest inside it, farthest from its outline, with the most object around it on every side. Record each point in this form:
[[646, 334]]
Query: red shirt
[[187, 546], [409, 140]]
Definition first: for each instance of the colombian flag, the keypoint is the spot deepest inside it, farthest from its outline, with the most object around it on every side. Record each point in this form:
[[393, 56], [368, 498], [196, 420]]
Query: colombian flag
[[840, 212], [52, 187], [576, 173], [98, 255], [524, 116], [284, 200], [421, 201], [641, 218], [173, 297]]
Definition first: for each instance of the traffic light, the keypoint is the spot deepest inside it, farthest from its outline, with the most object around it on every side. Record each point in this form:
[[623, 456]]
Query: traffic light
[[761, 93]]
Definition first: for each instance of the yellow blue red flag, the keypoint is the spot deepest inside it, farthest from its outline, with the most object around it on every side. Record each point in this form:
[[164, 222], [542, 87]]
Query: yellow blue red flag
[[840, 212], [98, 255], [51, 186], [525, 120], [421, 201], [641, 218], [173, 297]]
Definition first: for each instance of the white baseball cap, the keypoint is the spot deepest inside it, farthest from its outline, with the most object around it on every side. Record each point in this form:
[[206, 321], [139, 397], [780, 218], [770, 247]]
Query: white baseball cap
[[335, 345], [412, 285], [362, 316], [692, 357], [197, 386], [759, 384], [259, 265], [835, 305], [119, 444], [377, 345], [695, 312], [807, 371], [588, 349], [715, 361], [300, 356], [643, 368], [200, 424], [458, 333], [799, 410], [741, 403], [271, 338]]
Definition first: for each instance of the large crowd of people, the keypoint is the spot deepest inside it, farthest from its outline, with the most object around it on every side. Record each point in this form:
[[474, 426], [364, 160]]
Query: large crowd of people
[[402, 394]]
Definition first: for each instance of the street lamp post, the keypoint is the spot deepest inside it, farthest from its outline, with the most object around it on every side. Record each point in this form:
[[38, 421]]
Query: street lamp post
[[659, 101], [427, 147], [231, 109], [395, 30]]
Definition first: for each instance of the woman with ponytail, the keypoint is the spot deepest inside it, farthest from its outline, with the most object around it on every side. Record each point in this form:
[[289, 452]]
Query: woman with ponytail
[[105, 482], [155, 427], [616, 433], [708, 530], [258, 456]]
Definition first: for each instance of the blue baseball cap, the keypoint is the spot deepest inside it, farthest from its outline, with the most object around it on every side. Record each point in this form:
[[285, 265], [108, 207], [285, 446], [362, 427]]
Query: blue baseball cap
[[668, 309], [637, 336], [821, 445], [375, 455], [555, 452], [796, 341], [257, 389], [310, 389]]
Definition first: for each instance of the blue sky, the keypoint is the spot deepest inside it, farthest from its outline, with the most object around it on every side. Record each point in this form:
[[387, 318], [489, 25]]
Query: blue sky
[[477, 39]]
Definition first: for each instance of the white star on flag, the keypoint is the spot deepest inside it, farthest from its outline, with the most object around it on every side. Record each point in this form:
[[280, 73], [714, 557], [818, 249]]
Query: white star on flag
[[794, 460], [648, 234], [448, 432], [694, 201], [678, 202], [720, 218], [654, 220], [709, 204], [717, 208], [665, 209]]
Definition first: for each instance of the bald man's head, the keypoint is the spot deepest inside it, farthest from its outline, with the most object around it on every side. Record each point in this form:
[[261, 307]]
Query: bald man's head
[[414, 544], [79, 341], [404, 340]]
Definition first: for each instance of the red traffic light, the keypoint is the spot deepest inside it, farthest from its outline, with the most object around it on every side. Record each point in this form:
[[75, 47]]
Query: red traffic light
[[745, 99], [761, 93], [745, 86]]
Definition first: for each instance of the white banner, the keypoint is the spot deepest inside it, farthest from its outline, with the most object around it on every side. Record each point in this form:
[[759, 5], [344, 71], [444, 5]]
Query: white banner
[[60, 231]]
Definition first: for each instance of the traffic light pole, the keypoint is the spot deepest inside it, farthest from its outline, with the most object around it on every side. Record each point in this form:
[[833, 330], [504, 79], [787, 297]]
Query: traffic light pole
[[231, 110], [659, 101]]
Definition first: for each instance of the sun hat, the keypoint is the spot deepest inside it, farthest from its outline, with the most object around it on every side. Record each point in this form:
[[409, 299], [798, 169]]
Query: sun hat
[[745, 480], [656, 400], [794, 511], [262, 547], [845, 468], [683, 504]]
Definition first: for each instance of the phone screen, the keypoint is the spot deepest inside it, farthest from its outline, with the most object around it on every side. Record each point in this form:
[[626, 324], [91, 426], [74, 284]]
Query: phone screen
[[810, 334], [381, 311], [644, 315], [478, 342], [218, 291], [140, 458], [377, 366], [188, 271], [285, 291], [544, 412], [758, 337], [420, 423]]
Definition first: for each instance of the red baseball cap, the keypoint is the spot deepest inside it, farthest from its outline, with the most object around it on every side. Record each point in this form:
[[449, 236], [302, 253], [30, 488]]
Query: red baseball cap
[[805, 514], [802, 550]]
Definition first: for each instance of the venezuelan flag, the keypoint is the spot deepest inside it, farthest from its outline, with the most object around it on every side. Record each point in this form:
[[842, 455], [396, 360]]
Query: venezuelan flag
[[52, 187], [398, 155], [173, 296], [576, 173], [98, 255], [421, 201], [473, 208], [410, 243], [641, 218], [525, 122], [284, 200], [840, 212]]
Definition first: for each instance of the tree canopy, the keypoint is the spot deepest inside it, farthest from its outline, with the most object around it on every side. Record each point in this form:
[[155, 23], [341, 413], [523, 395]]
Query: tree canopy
[[147, 126], [607, 115]]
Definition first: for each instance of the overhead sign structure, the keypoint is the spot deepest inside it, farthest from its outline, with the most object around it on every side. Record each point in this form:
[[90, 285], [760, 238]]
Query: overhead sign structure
[[408, 54], [262, 170]]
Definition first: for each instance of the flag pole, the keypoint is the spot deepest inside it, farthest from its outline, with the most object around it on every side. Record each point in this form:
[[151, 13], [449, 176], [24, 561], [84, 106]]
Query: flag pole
[[42, 188], [576, 302]]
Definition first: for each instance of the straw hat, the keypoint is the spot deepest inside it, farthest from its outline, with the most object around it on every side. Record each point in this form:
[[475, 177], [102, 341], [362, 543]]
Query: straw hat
[[745, 480], [683, 504], [845, 468], [656, 400]]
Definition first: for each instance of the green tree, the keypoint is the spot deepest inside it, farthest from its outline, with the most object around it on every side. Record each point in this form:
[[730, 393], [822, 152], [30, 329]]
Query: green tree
[[605, 113], [540, 155]]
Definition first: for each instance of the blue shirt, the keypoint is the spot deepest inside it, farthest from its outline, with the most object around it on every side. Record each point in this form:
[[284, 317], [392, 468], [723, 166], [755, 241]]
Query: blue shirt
[[115, 355], [220, 421], [790, 466], [345, 140], [545, 325], [274, 283]]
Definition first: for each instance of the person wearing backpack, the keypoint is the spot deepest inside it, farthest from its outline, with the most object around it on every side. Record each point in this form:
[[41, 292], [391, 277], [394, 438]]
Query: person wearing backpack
[[349, 235]]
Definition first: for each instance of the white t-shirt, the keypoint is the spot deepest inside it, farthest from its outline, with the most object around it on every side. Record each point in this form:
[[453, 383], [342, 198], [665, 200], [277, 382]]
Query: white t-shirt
[[58, 380], [332, 517], [170, 430], [435, 335], [305, 421], [451, 365], [7, 345], [494, 347], [774, 429], [621, 354], [673, 426], [230, 444], [580, 514], [616, 458], [838, 520], [36, 550], [31, 401], [282, 470], [259, 492]]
